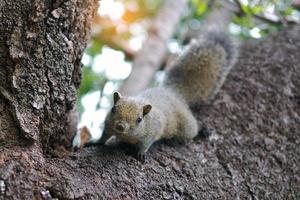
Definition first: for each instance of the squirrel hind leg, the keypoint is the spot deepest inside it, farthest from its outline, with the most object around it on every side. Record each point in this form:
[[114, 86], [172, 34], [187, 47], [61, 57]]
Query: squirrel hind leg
[[189, 126]]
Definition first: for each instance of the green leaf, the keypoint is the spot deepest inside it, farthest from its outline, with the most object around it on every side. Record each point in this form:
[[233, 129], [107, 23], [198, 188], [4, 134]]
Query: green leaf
[[95, 47], [256, 9], [91, 81], [246, 9], [202, 6]]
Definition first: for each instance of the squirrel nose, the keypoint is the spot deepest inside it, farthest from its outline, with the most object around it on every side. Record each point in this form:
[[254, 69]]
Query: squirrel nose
[[120, 127]]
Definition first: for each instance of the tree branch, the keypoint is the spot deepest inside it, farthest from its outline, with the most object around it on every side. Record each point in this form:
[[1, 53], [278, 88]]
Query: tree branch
[[238, 10], [151, 56]]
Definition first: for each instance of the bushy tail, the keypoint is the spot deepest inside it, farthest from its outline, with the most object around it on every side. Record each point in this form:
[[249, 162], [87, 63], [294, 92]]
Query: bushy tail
[[200, 72]]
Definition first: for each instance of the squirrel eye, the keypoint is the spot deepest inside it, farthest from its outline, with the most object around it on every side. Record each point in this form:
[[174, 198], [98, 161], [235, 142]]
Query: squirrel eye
[[139, 119], [113, 110]]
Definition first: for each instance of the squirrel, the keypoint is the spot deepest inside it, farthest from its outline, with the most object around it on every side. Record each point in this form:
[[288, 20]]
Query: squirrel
[[163, 112]]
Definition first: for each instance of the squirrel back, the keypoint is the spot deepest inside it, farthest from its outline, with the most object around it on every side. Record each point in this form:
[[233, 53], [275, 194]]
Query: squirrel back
[[200, 72]]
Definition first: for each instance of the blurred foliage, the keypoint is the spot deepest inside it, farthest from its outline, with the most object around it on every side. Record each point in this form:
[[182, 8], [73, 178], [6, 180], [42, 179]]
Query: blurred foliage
[[251, 19], [91, 81], [266, 16], [116, 33]]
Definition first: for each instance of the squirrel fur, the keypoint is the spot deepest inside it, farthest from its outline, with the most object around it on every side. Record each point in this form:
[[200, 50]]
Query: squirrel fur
[[164, 112]]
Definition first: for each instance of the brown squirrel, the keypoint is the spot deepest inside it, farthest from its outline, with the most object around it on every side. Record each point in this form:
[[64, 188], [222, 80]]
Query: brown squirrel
[[163, 112]]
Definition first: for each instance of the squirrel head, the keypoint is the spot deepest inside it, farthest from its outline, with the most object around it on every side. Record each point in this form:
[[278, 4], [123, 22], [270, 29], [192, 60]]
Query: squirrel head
[[127, 115]]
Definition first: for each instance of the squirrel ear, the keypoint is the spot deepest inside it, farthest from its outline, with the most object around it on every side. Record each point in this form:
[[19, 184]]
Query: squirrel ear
[[146, 109], [117, 96]]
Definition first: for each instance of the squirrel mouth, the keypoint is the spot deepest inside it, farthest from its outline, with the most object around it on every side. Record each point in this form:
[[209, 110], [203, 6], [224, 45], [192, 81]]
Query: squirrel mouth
[[120, 132]]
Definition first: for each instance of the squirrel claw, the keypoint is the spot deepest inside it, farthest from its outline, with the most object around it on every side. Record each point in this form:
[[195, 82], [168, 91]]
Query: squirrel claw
[[204, 133], [141, 156]]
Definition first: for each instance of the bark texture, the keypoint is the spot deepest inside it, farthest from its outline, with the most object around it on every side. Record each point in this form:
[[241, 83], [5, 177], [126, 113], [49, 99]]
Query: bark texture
[[41, 45], [152, 54], [253, 152]]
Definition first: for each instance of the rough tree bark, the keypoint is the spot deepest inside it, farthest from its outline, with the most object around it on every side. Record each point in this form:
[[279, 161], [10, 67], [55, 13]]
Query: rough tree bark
[[253, 152], [150, 57], [41, 45]]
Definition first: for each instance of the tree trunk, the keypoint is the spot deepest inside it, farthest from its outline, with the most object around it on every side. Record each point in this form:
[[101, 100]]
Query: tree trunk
[[152, 54], [41, 45]]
